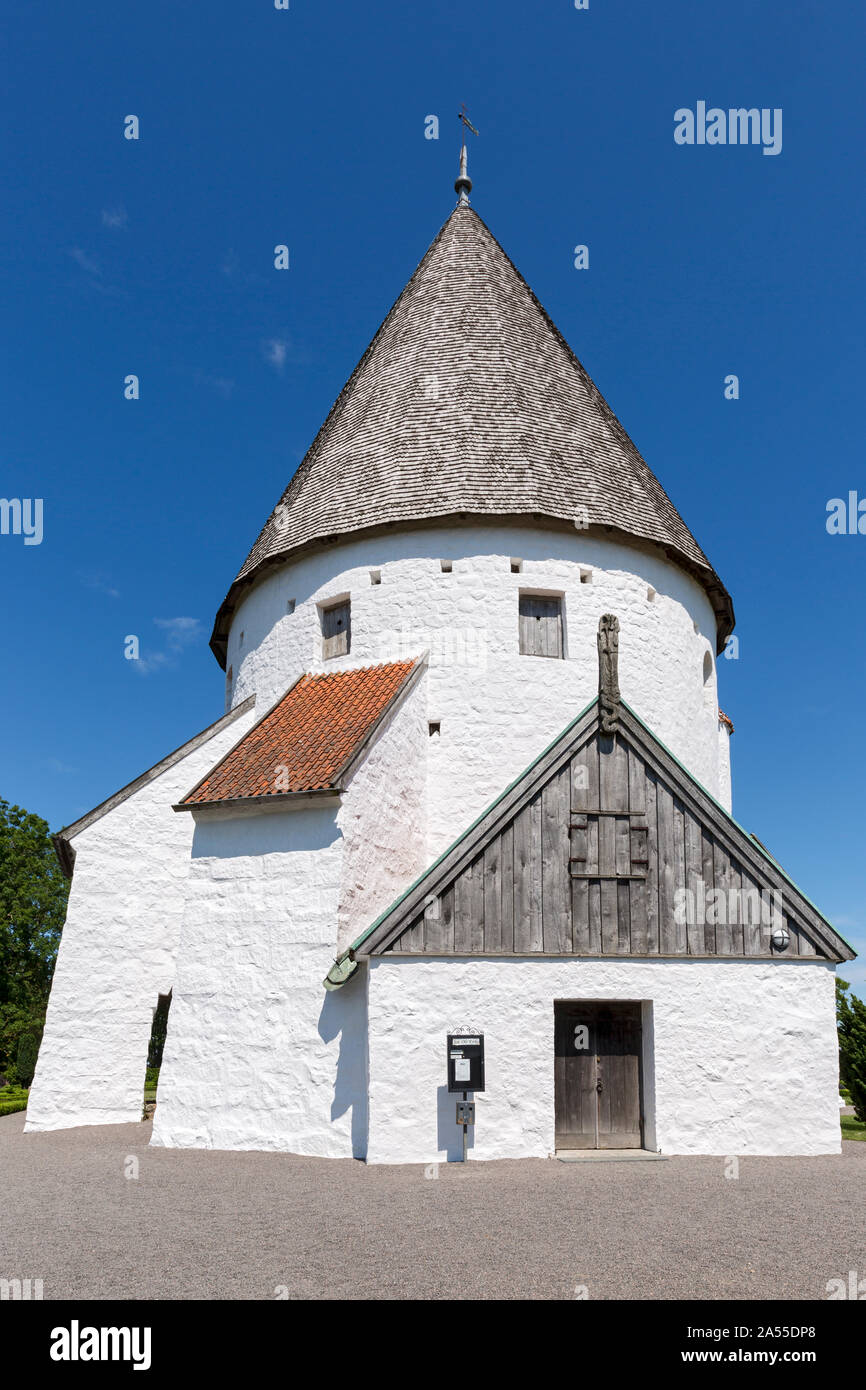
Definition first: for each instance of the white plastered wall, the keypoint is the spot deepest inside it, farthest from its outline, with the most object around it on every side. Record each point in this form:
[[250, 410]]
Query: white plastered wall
[[740, 1056], [118, 948], [725, 793], [258, 1054], [383, 818], [497, 709]]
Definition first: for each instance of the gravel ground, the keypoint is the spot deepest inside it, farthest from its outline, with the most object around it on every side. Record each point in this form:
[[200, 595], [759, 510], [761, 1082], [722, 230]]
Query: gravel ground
[[206, 1224]]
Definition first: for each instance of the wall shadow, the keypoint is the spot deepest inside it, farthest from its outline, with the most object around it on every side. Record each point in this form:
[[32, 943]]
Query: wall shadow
[[449, 1133], [344, 1012]]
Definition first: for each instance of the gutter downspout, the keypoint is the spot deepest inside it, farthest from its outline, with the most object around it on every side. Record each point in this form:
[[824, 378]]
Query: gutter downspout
[[341, 971]]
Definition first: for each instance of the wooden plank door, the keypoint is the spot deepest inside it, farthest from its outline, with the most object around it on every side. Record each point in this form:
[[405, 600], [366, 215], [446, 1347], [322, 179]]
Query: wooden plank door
[[597, 1089], [575, 1080]]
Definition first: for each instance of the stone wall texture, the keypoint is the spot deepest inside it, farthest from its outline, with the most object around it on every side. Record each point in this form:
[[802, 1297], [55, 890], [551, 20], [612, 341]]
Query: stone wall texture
[[497, 709], [742, 1055], [259, 1055], [119, 947]]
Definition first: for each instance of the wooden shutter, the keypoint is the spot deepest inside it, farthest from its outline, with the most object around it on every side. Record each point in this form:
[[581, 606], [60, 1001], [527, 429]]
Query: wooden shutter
[[336, 630], [540, 625]]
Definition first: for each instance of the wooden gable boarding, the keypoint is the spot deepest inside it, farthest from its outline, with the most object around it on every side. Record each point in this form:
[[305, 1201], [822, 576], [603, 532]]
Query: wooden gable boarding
[[584, 855]]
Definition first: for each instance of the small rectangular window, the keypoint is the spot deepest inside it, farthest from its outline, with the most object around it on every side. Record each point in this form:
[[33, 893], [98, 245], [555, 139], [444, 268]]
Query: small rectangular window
[[540, 625], [336, 630]]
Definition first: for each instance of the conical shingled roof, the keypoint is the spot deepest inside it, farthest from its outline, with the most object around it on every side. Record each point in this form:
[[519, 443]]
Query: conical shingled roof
[[469, 403]]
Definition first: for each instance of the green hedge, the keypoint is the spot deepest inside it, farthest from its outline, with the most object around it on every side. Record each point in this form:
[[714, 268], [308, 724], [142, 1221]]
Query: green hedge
[[12, 1099], [10, 1107]]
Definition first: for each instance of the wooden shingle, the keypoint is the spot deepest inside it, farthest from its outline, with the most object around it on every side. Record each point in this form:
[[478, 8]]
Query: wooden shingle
[[469, 405]]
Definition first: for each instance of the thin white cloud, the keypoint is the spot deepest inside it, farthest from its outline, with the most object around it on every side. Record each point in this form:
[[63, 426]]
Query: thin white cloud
[[94, 579], [231, 268], [223, 384], [114, 217], [55, 765], [180, 633], [93, 272], [275, 351], [87, 263], [146, 665]]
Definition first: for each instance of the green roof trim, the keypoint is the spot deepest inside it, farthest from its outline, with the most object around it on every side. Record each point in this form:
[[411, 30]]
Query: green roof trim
[[741, 828], [528, 769]]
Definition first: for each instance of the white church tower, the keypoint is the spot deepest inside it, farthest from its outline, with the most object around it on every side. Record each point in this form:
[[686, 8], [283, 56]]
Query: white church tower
[[418, 815]]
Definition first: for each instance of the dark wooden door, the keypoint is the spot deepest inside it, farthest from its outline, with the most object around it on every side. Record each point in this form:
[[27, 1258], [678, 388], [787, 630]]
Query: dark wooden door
[[597, 1078]]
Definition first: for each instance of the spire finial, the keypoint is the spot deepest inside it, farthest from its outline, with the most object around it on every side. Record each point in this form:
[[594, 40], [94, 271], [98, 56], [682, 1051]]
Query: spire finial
[[608, 672], [463, 184]]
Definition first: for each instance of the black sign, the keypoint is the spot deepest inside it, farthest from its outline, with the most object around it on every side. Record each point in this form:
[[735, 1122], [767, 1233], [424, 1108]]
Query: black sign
[[465, 1061]]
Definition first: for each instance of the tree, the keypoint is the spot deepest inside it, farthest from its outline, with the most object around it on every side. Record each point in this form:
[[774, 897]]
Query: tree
[[28, 1048], [33, 893], [851, 1023], [158, 1031]]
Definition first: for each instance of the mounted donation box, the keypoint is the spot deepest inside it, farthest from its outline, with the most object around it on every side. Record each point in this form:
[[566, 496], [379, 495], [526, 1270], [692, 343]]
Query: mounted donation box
[[465, 1061]]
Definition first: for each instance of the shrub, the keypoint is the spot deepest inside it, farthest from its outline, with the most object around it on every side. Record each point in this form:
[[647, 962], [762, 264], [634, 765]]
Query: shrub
[[12, 1098], [11, 1107], [851, 1022], [26, 1062]]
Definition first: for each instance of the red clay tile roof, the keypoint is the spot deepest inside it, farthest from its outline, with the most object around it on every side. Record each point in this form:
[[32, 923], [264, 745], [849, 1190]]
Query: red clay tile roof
[[305, 741]]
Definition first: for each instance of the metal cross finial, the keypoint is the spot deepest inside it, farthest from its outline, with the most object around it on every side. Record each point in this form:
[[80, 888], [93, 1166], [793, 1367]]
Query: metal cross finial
[[608, 672], [463, 185]]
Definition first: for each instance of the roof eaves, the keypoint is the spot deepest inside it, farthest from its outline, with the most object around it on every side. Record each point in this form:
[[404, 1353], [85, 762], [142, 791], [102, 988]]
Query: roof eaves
[[355, 946], [62, 840], [270, 801], [219, 634], [729, 817], [251, 730], [336, 785]]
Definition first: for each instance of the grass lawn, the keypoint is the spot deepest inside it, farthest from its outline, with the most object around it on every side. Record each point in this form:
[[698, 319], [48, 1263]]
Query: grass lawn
[[852, 1128]]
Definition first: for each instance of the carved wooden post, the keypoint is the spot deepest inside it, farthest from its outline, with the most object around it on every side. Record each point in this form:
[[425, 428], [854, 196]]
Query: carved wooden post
[[608, 672]]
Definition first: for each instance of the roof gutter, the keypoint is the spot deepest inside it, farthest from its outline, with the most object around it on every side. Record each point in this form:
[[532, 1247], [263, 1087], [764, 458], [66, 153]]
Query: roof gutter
[[703, 574], [341, 971], [269, 801]]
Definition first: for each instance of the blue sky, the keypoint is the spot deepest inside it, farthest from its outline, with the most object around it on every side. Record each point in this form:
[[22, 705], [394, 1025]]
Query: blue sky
[[306, 127]]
